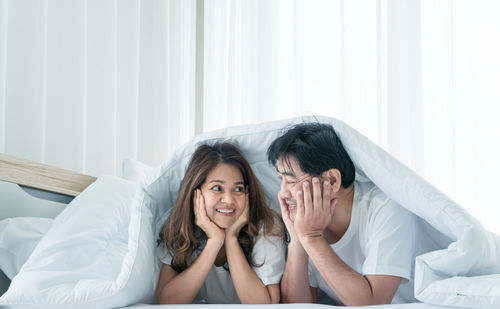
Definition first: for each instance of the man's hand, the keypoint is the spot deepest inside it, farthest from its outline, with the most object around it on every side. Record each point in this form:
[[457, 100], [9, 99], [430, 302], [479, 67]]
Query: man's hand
[[314, 209], [285, 215]]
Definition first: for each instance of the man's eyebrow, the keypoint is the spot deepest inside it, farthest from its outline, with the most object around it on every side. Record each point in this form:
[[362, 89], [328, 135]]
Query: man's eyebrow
[[285, 173]]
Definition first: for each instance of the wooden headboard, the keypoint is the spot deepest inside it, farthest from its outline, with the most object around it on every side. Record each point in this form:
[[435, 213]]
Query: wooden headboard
[[42, 176]]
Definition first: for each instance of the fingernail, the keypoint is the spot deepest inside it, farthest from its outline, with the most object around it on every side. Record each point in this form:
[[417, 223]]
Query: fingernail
[[306, 184], [326, 183], [315, 180], [299, 192]]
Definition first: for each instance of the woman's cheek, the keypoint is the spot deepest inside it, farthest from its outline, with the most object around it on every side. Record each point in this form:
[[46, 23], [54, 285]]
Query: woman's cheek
[[241, 203], [210, 203]]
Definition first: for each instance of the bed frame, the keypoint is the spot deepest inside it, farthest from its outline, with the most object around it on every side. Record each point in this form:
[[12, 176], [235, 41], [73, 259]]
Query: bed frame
[[43, 181]]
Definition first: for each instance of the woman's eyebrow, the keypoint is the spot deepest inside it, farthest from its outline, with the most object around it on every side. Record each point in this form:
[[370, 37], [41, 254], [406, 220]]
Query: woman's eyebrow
[[217, 180], [222, 181]]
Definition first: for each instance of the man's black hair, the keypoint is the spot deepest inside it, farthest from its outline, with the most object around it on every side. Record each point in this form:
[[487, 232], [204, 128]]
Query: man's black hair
[[316, 147]]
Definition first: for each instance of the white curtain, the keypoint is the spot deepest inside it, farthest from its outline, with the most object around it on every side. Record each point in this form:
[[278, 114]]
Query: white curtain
[[84, 84], [419, 77], [87, 83]]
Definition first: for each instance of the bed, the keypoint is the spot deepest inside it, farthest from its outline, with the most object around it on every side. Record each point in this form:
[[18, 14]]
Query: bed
[[99, 251]]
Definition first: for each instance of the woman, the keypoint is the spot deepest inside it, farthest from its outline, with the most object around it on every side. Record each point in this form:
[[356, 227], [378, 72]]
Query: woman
[[221, 244]]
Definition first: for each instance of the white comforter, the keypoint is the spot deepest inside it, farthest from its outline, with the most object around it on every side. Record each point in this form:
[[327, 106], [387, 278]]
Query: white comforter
[[466, 273]]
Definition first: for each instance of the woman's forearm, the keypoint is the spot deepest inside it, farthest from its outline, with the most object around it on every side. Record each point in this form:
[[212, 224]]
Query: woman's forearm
[[182, 289], [247, 284]]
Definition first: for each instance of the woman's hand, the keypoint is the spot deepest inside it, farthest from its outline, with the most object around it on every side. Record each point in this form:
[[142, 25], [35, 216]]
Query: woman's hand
[[242, 220], [203, 221]]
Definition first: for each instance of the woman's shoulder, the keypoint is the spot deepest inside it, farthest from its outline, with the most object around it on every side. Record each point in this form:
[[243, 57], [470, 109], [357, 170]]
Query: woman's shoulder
[[274, 238], [274, 227]]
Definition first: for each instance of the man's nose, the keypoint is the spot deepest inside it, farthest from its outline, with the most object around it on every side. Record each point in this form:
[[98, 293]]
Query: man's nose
[[284, 192]]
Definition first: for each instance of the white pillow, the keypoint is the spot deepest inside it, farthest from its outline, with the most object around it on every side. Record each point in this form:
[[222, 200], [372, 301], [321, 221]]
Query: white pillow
[[135, 170], [99, 253], [18, 238]]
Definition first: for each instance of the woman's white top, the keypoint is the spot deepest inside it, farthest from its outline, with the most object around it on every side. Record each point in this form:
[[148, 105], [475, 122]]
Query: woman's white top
[[268, 254]]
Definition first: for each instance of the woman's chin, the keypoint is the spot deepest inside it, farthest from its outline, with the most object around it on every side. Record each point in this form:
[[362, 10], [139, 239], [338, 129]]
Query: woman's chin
[[224, 224]]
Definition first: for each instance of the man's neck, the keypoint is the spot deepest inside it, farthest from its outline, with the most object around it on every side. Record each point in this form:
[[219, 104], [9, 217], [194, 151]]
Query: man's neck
[[341, 215]]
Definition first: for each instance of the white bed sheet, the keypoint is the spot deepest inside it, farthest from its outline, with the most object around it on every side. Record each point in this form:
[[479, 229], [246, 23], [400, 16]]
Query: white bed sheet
[[283, 306]]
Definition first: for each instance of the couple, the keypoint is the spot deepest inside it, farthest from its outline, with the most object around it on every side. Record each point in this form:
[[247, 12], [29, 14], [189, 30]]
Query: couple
[[222, 244]]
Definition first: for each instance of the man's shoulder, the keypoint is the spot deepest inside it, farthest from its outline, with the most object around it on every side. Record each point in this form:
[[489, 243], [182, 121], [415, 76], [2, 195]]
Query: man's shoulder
[[376, 203], [369, 195]]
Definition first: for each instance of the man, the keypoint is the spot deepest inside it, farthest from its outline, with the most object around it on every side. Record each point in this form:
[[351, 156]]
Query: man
[[346, 237]]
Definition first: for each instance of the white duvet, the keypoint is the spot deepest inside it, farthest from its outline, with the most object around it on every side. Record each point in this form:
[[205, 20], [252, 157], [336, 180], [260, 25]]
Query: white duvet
[[117, 223], [465, 274]]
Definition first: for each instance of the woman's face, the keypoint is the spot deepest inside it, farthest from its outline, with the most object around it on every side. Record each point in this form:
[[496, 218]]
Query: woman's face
[[225, 195]]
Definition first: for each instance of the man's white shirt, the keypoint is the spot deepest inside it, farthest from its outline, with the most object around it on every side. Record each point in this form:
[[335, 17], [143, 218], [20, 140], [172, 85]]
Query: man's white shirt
[[380, 240]]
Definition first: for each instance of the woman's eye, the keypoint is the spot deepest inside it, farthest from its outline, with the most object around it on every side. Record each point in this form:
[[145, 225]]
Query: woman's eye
[[216, 188], [239, 189]]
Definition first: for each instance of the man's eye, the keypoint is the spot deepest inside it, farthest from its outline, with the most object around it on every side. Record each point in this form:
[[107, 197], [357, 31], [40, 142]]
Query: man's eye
[[216, 188]]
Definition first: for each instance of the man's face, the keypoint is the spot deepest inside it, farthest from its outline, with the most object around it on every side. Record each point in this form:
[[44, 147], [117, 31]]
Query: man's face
[[292, 178]]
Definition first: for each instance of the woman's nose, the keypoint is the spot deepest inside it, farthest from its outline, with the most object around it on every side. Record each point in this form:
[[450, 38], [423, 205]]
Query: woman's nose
[[228, 197]]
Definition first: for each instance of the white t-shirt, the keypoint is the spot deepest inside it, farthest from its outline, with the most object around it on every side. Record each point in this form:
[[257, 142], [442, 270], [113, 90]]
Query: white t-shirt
[[380, 240], [218, 288]]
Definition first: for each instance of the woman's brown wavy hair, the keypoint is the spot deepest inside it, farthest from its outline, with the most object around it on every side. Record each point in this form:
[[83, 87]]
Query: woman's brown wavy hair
[[180, 234]]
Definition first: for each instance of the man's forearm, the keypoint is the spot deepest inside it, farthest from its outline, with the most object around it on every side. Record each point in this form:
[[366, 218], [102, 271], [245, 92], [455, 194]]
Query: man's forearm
[[295, 281], [350, 287]]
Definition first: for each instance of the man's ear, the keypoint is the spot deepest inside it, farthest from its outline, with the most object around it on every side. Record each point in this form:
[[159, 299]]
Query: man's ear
[[333, 175]]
